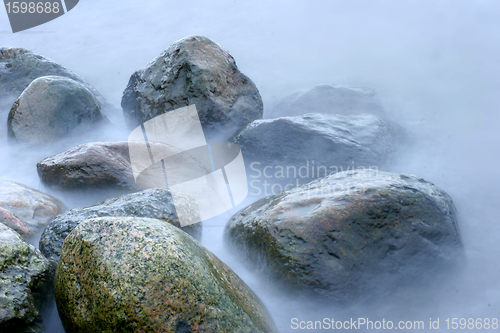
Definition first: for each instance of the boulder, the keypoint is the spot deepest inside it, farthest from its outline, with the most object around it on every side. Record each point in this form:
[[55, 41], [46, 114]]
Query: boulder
[[25, 278], [94, 165], [329, 99], [307, 147], [351, 235], [106, 165], [194, 70], [50, 108], [25, 209], [15, 223], [19, 67], [153, 203], [144, 275]]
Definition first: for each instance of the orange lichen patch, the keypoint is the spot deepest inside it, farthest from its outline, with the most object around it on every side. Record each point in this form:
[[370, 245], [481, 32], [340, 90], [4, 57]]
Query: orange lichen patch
[[16, 203]]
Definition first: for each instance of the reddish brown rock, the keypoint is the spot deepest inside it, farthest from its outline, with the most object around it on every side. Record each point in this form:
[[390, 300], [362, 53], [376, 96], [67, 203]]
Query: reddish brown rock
[[26, 209], [15, 223]]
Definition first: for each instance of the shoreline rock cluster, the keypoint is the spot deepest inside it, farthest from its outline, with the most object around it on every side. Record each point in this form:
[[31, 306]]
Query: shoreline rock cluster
[[128, 264]]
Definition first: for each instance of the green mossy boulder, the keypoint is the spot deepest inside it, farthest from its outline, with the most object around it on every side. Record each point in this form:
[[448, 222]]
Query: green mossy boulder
[[25, 281], [144, 275]]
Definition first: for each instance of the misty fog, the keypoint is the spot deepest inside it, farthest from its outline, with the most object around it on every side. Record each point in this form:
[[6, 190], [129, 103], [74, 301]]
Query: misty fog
[[435, 66]]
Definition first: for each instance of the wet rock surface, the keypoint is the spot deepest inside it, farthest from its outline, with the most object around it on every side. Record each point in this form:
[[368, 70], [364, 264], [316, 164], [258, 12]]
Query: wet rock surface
[[351, 235], [19, 67], [132, 274], [332, 142], [15, 223], [329, 99], [51, 108], [95, 165], [153, 203], [194, 70], [25, 278], [25, 209], [105, 165]]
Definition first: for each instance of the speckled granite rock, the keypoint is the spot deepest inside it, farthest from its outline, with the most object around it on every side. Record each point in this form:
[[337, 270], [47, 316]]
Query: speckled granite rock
[[142, 275], [25, 277], [19, 67], [25, 209], [194, 70], [51, 108], [329, 99], [153, 203], [351, 235]]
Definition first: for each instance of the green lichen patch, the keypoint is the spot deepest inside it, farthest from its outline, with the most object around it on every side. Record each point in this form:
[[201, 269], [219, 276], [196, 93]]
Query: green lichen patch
[[142, 275]]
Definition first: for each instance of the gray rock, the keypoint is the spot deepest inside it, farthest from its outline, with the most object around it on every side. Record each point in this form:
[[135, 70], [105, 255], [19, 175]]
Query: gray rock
[[194, 70], [315, 145], [329, 99], [144, 275], [153, 203], [351, 235], [19, 67], [94, 165], [25, 278], [25, 209], [105, 165], [53, 107]]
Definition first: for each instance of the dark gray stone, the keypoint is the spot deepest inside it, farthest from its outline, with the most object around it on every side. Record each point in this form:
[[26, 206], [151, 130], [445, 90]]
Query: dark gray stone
[[94, 165], [351, 235], [106, 165], [320, 144], [194, 70], [153, 203]]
